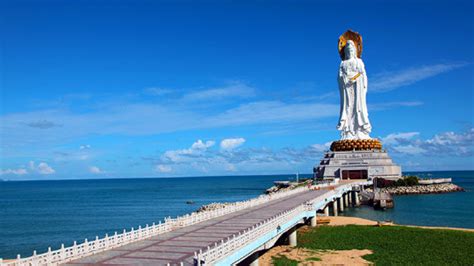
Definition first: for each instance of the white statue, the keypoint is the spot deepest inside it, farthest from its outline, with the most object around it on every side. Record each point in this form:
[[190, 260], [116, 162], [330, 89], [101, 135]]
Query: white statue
[[354, 119]]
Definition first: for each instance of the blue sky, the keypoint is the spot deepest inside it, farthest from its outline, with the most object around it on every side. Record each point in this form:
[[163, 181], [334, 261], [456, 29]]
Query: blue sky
[[100, 89]]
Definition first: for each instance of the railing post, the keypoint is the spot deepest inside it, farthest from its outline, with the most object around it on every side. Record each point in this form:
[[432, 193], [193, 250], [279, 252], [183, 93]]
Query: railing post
[[106, 241], [48, 257], [96, 244], [61, 253], [86, 245], [74, 250]]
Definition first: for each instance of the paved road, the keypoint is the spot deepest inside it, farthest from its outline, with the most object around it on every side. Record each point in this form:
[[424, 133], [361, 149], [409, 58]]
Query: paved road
[[179, 245]]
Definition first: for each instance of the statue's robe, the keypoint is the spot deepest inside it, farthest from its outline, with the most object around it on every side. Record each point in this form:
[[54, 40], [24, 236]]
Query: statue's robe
[[354, 118]]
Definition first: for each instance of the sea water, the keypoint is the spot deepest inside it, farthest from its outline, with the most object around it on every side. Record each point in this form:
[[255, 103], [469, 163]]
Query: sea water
[[38, 214]]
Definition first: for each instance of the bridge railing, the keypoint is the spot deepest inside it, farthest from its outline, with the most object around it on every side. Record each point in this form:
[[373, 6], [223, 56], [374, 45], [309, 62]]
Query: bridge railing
[[224, 248], [88, 248]]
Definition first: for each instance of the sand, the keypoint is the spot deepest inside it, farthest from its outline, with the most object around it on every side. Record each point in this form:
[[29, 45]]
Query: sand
[[345, 220], [326, 257]]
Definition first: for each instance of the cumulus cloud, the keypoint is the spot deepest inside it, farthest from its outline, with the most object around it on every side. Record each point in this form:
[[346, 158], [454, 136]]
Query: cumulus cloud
[[200, 145], [161, 168], [442, 144], [388, 81], [229, 144], [84, 147], [395, 138], [196, 150], [234, 90], [95, 170], [42, 124], [42, 168], [19, 171]]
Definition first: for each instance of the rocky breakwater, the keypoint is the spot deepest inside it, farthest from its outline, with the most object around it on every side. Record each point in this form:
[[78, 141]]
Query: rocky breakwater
[[422, 189], [213, 206]]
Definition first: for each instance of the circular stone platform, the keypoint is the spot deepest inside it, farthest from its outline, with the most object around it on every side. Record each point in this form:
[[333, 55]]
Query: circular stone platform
[[356, 144]]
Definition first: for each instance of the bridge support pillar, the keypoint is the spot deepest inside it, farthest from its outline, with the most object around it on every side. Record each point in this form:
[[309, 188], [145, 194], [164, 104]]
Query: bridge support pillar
[[341, 203], [346, 200], [326, 210], [356, 198], [349, 195], [292, 241], [254, 259], [313, 221], [334, 207]]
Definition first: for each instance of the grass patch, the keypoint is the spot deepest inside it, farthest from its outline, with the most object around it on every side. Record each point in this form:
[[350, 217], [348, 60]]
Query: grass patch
[[283, 261], [395, 244], [313, 259]]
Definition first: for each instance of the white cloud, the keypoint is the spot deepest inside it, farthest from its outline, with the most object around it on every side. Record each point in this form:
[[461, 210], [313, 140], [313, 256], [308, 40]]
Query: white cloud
[[388, 81], [234, 90], [95, 170], [163, 168], [321, 147], [200, 145], [19, 171], [196, 149], [409, 149], [84, 147], [229, 144], [45, 169], [442, 144], [42, 168], [395, 138]]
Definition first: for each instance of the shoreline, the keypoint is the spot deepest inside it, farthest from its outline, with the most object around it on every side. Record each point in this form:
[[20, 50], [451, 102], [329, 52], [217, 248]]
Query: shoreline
[[353, 220]]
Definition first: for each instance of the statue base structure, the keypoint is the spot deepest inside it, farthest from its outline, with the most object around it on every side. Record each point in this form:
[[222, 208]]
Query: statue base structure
[[357, 159]]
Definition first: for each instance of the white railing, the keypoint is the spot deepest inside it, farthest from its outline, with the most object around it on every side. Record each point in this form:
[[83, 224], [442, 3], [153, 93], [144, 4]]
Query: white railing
[[87, 248], [226, 247], [223, 248]]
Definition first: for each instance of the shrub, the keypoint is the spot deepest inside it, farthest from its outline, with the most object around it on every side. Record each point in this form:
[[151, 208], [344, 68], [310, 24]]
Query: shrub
[[381, 182]]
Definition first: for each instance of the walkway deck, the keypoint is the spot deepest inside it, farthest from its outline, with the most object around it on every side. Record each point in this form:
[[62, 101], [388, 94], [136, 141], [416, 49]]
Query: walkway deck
[[179, 245]]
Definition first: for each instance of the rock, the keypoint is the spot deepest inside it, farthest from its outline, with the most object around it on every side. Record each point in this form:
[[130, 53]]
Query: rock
[[422, 189]]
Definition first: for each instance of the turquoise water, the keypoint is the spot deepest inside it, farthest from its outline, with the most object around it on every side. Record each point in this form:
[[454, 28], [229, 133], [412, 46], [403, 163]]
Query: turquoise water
[[448, 209], [38, 214]]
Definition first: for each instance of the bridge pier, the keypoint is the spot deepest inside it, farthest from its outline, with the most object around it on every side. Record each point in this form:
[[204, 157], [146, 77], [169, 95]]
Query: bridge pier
[[334, 207], [313, 221], [356, 198], [346, 200], [350, 195], [292, 238], [340, 202], [326, 210]]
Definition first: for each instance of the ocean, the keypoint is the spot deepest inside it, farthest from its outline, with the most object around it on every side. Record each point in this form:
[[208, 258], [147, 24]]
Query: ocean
[[38, 214]]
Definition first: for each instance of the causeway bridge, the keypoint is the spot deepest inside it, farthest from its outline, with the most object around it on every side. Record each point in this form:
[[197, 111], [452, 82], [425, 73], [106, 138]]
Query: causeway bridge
[[233, 235]]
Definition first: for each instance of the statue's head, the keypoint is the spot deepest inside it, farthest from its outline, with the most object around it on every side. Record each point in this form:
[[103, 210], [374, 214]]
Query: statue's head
[[350, 50]]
